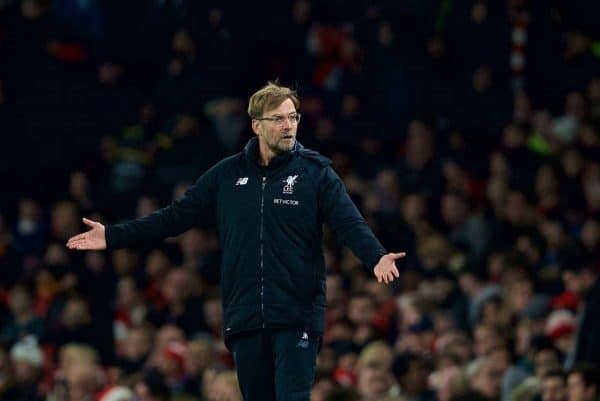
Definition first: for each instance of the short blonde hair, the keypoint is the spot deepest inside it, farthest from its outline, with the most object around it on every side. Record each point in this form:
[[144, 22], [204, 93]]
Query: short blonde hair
[[377, 353], [269, 97], [77, 353]]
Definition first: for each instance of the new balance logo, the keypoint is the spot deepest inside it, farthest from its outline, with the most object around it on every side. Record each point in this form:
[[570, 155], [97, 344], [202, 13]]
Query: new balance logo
[[303, 343], [241, 181]]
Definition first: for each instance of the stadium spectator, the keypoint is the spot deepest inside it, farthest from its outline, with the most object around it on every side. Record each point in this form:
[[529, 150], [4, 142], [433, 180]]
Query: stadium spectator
[[582, 383]]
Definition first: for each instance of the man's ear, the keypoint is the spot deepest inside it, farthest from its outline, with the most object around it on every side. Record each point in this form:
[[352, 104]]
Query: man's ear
[[255, 126]]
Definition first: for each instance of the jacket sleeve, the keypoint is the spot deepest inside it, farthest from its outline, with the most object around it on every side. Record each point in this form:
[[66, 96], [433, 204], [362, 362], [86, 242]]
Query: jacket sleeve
[[343, 217], [197, 203]]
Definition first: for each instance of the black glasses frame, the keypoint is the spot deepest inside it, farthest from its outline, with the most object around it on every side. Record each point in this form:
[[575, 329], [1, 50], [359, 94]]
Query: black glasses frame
[[281, 119]]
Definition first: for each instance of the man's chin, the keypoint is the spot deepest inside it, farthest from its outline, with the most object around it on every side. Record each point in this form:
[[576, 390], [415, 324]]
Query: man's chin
[[287, 144]]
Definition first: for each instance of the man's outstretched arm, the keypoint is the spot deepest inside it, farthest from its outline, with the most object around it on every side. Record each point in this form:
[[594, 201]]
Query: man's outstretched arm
[[179, 216], [350, 228]]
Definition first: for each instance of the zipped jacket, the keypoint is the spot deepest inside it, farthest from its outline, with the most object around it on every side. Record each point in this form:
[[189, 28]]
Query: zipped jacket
[[270, 222]]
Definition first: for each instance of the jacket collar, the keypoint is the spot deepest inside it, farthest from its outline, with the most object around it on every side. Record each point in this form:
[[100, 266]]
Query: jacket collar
[[252, 154]]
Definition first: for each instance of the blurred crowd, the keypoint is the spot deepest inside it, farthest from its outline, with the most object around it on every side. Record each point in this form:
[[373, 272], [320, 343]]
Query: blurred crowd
[[467, 132]]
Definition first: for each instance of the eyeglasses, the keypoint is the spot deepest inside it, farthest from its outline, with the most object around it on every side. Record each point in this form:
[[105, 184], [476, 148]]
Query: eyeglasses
[[293, 118]]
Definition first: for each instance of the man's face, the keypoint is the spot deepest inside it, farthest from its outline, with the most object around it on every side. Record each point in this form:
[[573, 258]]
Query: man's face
[[573, 282], [454, 209], [445, 382], [360, 310], [487, 380], [276, 136], [553, 389], [198, 357], [176, 287], [413, 208], [138, 343], [485, 340], [543, 359], [415, 381], [335, 291], [500, 359], [19, 301], [373, 381], [576, 390]]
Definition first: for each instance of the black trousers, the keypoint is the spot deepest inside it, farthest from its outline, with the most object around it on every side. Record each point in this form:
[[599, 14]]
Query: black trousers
[[275, 365]]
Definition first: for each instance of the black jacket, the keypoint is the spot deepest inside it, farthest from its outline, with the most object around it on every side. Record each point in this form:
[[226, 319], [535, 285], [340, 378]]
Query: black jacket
[[270, 227]]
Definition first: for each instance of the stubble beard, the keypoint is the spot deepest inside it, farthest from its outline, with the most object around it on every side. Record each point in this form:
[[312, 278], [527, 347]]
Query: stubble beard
[[281, 146]]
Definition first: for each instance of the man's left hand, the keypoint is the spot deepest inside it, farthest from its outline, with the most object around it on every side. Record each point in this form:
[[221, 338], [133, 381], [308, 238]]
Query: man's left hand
[[386, 270]]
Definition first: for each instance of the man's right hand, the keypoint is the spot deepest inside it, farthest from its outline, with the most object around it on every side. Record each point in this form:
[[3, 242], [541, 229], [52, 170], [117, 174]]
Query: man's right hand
[[94, 239]]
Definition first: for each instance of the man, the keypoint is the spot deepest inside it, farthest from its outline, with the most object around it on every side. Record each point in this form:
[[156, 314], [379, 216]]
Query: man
[[411, 373], [582, 383], [485, 378], [553, 386], [373, 369], [270, 202]]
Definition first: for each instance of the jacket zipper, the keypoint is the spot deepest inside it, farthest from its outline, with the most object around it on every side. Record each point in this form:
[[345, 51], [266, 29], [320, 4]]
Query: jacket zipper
[[262, 278]]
